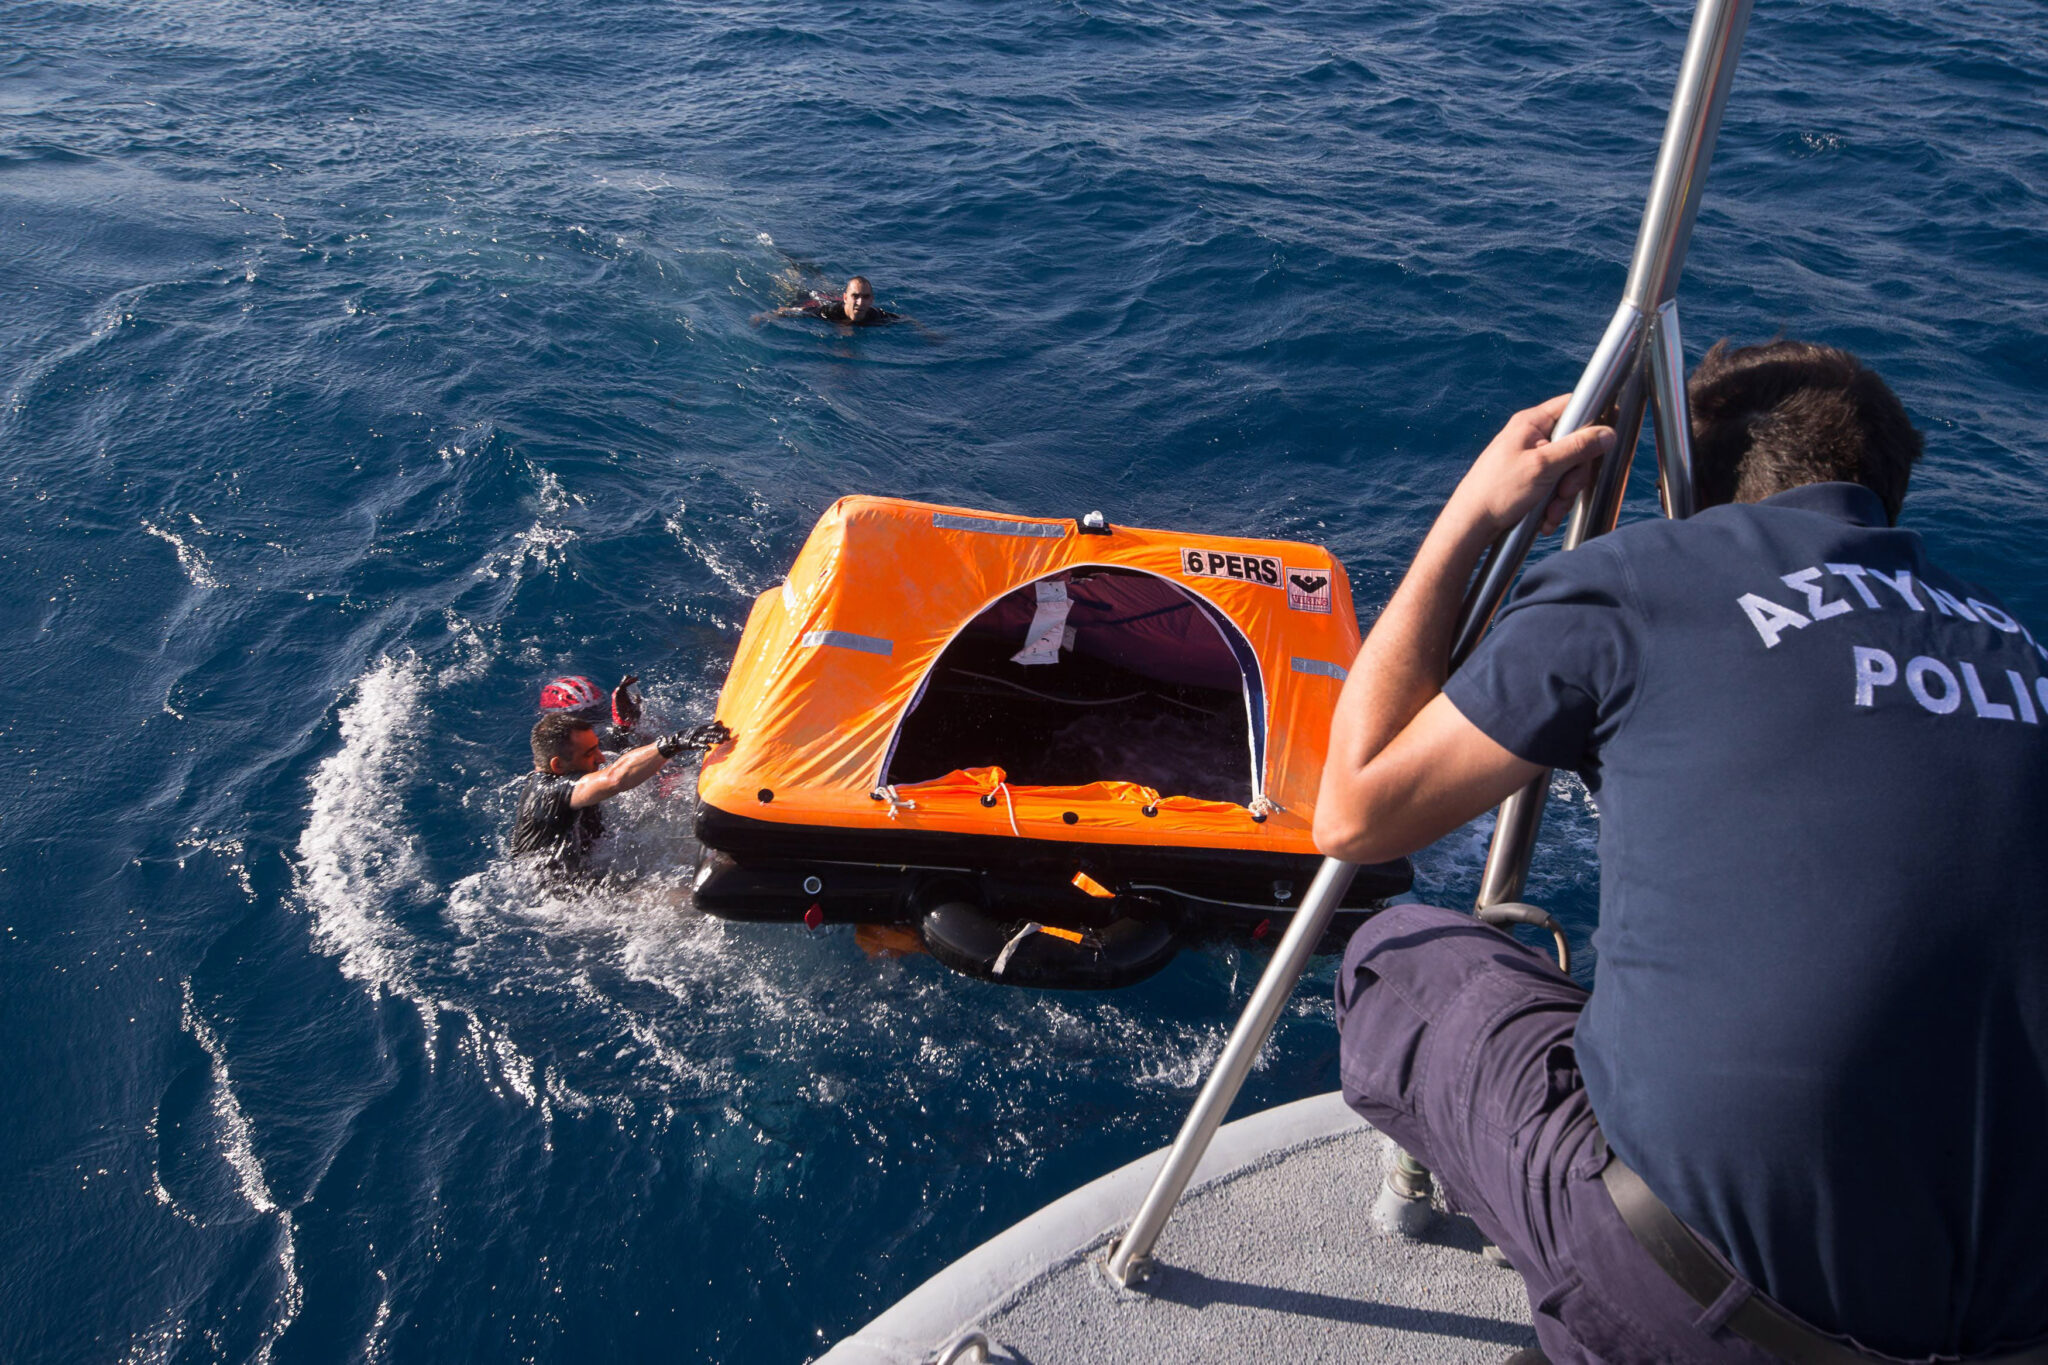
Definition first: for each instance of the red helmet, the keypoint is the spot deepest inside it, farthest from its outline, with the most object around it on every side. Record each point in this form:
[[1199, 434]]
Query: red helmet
[[570, 694]]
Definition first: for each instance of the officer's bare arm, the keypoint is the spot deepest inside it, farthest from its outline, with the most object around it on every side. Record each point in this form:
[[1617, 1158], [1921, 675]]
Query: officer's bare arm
[[622, 774], [1404, 767]]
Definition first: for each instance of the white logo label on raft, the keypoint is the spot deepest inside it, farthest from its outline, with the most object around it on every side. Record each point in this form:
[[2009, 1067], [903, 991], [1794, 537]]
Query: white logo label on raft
[[1244, 568], [1309, 590]]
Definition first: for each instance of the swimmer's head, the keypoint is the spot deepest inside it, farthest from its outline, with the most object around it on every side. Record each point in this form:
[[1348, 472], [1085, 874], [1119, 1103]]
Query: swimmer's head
[[859, 298], [566, 746], [570, 694]]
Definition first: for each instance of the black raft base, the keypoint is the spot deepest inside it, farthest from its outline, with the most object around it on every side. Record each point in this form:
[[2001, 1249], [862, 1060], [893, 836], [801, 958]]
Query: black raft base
[[971, 895]]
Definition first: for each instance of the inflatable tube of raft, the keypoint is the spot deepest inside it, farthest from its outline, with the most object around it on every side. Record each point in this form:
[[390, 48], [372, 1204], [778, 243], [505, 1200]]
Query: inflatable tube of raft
[[1027, 953]]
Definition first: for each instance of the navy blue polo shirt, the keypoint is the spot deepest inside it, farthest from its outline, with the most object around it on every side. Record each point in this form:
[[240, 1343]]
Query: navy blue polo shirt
[[1819, 1023]]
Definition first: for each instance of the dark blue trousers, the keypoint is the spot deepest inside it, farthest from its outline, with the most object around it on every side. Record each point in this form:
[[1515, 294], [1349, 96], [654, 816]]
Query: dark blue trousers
[[1457, 1043]]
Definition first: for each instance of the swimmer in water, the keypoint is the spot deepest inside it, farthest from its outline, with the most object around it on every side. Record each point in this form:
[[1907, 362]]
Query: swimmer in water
[[856, 307], [558, 819]]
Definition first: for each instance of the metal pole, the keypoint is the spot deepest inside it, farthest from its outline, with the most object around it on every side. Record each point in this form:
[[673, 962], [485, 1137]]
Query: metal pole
[[1612, 360], [1599, 506], [1254, 1026], [1704, 75], [1712, 49], [1673, 415], [1513, 846], [1689, 132]]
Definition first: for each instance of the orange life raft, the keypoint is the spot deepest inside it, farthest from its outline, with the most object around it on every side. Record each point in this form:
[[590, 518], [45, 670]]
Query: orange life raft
[[1059, 747]]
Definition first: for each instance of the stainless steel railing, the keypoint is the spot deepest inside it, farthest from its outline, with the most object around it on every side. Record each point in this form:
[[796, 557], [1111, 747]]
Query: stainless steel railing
[[1639, 364]]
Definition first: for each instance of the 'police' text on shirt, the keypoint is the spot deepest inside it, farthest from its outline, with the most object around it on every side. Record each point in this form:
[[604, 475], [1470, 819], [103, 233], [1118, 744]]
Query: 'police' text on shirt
[[1937, 685]]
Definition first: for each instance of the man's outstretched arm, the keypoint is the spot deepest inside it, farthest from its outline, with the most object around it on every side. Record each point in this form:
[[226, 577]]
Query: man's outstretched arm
[[622, 774], [1404, 766], [635, 766]]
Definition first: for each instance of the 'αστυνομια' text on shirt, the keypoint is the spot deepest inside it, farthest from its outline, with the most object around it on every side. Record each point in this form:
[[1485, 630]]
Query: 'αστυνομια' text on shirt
[[1819, 1024]]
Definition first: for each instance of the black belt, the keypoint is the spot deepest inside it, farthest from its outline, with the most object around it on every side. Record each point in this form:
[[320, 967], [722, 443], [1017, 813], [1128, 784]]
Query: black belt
[[1682, 1256]]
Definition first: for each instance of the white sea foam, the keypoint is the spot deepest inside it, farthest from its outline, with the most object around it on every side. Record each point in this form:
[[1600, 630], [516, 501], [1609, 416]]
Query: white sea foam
[[506, 914], [472, 652], [542, 545], [239, 1149], [468, 441], [356, 861], [227, 1111], [190, 558]]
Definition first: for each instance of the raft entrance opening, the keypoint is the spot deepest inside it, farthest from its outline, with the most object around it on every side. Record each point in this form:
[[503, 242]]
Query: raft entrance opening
[[1147, 684]]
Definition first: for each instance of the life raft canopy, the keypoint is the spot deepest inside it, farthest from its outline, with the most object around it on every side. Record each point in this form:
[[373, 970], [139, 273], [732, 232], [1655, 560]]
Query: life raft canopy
[[1083, 677]]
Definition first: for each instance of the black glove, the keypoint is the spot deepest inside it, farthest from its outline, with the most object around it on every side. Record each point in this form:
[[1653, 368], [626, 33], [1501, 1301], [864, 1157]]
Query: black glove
[[625, 706], [706, 736]]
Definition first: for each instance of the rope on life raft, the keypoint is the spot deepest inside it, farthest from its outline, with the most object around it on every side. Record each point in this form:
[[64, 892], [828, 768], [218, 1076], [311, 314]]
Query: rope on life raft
[[896, 802]]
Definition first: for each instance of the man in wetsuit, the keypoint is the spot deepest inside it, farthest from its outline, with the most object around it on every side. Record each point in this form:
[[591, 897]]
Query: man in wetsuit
[[855, 307], [1803, 1112], [558, 819]]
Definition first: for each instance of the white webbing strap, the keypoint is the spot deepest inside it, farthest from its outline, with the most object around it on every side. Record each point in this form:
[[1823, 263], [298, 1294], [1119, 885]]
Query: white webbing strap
[[1016, 941]]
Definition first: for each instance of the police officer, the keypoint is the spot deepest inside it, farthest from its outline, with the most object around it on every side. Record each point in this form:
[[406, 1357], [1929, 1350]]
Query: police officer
[[1803, 1112]]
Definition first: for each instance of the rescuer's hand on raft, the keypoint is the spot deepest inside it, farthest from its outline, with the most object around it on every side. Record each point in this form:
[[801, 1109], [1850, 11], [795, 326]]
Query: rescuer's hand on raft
[[706, 736], [1522, 466], [626, 706]]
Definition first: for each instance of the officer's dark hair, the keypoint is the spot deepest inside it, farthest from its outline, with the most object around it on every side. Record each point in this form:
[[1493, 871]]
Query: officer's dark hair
[[551, 737], [1776, 416]]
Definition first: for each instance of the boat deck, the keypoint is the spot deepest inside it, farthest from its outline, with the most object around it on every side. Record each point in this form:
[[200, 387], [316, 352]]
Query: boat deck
[[1272, 1255]]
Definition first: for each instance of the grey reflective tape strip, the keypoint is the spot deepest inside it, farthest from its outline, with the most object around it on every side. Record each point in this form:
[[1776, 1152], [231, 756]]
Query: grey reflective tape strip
[[1321, 669], [947, 521], [846, 639]]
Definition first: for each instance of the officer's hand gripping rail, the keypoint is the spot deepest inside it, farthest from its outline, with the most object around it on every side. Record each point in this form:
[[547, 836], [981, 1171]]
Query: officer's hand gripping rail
[[1639, 363]]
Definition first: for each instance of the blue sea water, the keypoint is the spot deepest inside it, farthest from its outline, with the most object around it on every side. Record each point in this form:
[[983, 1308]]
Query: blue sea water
[[363, 365]]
